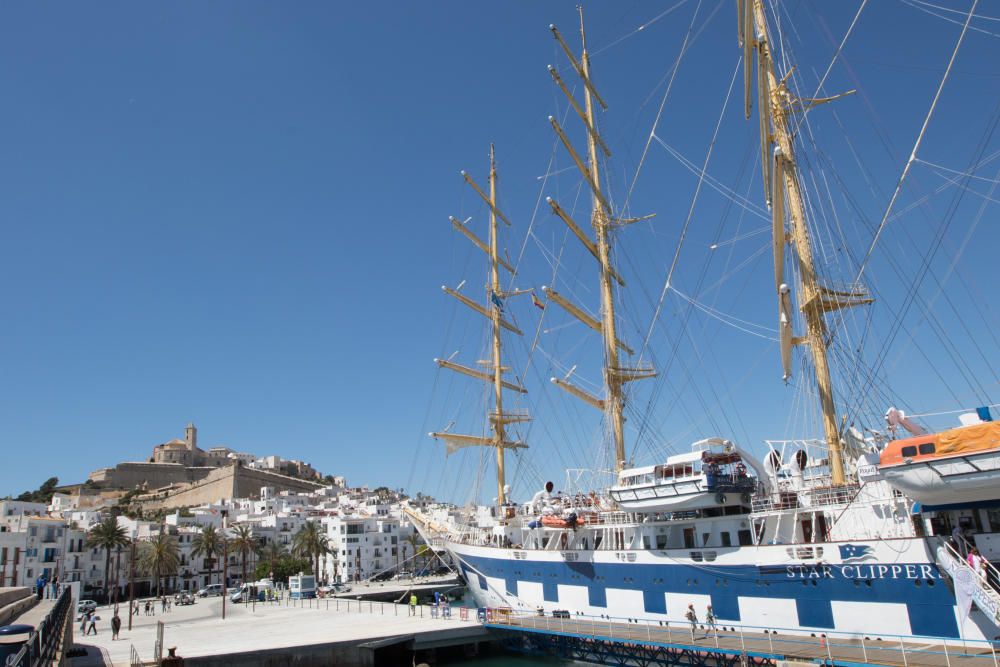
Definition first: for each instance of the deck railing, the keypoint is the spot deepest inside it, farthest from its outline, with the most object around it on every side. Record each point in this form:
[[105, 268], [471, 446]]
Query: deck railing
[[774, 642], [46, 641]]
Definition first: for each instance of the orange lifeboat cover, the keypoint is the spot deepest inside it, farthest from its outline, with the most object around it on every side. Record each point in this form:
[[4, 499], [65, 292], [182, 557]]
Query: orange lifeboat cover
[[962, 440]]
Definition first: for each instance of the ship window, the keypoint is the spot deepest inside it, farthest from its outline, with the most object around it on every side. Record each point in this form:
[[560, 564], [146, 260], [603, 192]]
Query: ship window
[[727, 540], [910, 450], [745, 538], [927, 448]]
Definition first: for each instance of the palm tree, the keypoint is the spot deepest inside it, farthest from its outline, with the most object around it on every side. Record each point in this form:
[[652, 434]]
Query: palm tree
[[208, 543], [107, 535], [273, 551], [311, 543], [158, 558], [413, 539], [244, 542]]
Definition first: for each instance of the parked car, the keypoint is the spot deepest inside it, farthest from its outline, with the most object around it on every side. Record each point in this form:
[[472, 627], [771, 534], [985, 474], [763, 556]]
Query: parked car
[[184, 598], [84, 607], [212, 590]]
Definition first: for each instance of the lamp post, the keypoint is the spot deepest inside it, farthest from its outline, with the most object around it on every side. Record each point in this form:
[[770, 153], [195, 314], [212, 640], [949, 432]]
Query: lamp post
[[225, 573], [131, 584]]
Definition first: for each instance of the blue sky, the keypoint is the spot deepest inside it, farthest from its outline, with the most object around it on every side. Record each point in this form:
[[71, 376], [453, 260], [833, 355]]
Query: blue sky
[[237, 214]]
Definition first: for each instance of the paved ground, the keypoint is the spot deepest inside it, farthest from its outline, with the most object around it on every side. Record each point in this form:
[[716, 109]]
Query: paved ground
[[199, 629]]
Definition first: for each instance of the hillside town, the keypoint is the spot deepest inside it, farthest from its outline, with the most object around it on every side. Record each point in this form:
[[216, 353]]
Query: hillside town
[[110, 535]]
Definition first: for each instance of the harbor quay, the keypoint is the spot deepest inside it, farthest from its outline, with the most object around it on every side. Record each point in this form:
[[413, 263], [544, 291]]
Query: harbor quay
[[329, 631]]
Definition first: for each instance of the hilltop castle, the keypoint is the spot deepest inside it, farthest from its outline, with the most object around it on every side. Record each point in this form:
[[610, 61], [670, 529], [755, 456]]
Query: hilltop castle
[[177, 464]]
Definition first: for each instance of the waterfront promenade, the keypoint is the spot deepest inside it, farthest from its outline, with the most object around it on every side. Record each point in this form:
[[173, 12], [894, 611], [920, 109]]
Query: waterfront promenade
[[198, 631]]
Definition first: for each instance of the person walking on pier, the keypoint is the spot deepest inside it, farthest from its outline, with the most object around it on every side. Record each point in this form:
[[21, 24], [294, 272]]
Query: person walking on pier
[[710, 620], [413, 604], [693, 617], [116, 626]]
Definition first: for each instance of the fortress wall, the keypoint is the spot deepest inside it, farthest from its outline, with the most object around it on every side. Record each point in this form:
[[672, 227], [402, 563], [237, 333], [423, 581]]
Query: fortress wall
[[225, 483]]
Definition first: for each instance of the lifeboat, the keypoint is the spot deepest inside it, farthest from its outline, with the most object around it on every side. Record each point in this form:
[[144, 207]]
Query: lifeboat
[[713, 474], [961, 465], [553, 521]]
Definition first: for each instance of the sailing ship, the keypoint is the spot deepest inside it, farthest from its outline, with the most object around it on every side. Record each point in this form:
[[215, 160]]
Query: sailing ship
[[843, 533]]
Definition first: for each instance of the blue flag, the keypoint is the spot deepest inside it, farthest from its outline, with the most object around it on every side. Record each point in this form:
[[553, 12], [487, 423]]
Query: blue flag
[[853, 551], [496, 301]]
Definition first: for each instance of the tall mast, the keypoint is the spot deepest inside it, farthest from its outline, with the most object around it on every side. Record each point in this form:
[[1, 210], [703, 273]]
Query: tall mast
[[497, 422], [615, 376], [781, 183], [600, 222], [493, 310]]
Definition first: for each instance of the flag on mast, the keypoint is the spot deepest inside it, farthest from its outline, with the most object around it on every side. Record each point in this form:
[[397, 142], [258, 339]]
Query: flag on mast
[[497, 301], [535, 300]]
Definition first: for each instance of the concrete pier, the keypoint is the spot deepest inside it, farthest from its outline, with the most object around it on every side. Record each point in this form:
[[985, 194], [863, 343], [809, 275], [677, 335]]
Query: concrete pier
[[346, 633]]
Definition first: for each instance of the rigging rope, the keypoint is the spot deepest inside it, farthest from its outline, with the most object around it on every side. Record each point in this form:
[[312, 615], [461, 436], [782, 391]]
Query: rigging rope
[[663, 103], [638, 30], [916, 145], [722, 317], [694, 201]]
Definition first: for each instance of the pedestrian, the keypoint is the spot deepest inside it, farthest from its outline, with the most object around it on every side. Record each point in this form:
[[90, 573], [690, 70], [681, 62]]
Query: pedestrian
[[145, 609], [92, 624], [163, 604], [413, 604], [116, 626], [958, 536], [83, 622], [710, 619], [692, 616]]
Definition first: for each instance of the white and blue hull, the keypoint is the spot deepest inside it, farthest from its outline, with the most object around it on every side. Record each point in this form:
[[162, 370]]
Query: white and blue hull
[[888, 587]]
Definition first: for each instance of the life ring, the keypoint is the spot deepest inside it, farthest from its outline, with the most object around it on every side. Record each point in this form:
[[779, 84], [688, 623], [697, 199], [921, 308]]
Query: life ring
[[720, 498]]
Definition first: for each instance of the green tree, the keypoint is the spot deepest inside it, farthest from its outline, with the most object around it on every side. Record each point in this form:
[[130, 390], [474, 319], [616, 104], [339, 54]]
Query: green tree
[[107, 535], [272, 553], [413, 539], [42, 494], [282, 568], [310, 542], [209, 544], [158, 558], [245, 543]]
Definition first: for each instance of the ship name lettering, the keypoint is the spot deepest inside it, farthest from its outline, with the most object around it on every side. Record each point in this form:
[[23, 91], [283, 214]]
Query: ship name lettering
[[861, 571]]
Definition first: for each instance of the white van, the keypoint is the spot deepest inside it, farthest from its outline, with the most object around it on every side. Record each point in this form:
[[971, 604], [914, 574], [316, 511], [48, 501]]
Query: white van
[[263, 587]]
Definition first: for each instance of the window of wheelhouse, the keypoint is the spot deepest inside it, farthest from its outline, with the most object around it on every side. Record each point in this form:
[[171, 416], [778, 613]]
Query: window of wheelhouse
[[909, 451], [926, 448]]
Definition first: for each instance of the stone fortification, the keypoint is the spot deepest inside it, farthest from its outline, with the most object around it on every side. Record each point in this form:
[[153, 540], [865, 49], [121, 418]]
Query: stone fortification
[[223, 483], [132, 475]]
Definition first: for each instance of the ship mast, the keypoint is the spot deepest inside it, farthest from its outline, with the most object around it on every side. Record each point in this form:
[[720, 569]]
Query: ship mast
[[776, 105], [615, 376], [494, 312], [496, 418]]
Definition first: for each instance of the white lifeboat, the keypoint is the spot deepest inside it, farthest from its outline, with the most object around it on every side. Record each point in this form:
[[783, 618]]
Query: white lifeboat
[[961, 465], [713, 474]]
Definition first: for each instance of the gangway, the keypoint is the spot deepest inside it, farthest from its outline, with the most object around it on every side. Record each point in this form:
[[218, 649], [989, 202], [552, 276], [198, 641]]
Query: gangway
[[975, 584], [644, 643]]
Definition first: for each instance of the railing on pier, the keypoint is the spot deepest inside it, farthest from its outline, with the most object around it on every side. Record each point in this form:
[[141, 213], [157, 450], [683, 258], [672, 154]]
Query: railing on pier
[[727, 639], [46, 641]]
